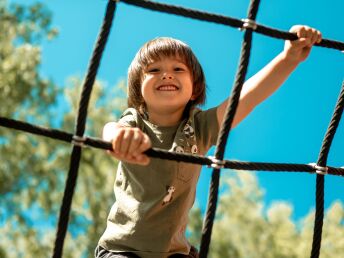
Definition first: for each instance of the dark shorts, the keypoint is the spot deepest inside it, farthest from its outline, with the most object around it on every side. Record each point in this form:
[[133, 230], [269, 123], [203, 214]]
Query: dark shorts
[[100, 252]]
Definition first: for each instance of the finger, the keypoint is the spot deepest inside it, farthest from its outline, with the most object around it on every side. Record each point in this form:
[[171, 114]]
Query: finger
[[301, 32], [113, 154], [145, 144], [300, 43], [117, 156], [142, 159], [135, 141], [319, 36], [307, 35], [109, 152], [125, 141], [314, 36], [117, 140], [309, 32], [295, 28]]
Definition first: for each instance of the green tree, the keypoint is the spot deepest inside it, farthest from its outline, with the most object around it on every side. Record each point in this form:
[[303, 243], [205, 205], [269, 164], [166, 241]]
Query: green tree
[[33, 169], [244, 227]]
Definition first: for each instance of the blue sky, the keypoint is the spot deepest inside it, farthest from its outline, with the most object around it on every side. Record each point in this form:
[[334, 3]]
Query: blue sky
[[289, 127]]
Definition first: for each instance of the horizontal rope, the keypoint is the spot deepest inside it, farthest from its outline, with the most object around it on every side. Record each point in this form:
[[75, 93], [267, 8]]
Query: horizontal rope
[[164, 154], [226, 20]]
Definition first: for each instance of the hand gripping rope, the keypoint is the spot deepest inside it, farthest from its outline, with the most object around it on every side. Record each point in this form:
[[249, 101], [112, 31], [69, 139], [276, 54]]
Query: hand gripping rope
[[248, 25]]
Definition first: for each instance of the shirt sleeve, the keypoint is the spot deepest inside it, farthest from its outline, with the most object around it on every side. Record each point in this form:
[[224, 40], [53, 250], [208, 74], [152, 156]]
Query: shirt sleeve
[[207, 127], [129, 118]]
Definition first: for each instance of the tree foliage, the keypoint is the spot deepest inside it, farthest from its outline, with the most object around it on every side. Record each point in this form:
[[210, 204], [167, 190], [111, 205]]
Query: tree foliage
[[244, 227], [33, 169]]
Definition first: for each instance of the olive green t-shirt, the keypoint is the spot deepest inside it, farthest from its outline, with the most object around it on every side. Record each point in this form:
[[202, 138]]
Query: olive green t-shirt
[[150, 214]]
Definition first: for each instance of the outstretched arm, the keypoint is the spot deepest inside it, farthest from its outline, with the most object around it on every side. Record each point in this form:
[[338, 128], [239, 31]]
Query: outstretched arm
[[263, 84]]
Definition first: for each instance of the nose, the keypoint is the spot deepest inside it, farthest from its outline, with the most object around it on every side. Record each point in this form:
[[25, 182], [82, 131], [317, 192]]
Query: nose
[[167, 75]]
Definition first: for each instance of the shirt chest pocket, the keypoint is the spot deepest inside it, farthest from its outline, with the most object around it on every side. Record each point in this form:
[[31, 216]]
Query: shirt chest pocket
[[188, 171]]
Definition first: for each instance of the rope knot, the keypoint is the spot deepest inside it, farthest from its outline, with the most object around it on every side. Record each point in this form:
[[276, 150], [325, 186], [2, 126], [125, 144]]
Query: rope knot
[[319, 169], [216, 163], [248, 24], [79, 141]]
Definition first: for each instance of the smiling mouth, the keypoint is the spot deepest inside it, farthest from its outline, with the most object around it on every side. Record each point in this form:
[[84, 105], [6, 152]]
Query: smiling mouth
[[167, 88]]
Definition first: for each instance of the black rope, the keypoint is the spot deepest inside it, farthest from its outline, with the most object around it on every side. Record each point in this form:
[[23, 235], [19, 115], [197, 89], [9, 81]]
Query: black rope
[[78, 140], [225, 20], [224, 132], [80, 128], [332, 128], [320, 179], [87, 141]]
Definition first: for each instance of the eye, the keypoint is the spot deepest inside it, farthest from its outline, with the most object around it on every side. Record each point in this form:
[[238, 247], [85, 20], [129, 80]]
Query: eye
[[179, 69], [153, 70]]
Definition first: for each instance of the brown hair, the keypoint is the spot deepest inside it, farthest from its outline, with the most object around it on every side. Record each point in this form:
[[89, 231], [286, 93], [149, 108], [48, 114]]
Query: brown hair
[[152, 51]]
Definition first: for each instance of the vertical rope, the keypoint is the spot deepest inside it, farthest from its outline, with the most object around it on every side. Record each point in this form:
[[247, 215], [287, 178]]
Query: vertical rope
[[80, 129], [320, 179], [224, 132]]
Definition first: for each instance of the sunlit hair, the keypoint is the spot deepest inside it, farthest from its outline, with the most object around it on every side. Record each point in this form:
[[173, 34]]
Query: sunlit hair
[[153, 51]]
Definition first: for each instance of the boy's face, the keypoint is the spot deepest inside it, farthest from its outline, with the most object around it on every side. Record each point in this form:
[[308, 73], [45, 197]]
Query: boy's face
[[167, 86]]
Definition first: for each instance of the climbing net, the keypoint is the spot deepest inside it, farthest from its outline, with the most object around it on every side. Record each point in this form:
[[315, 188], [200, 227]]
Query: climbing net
[[217, 162]]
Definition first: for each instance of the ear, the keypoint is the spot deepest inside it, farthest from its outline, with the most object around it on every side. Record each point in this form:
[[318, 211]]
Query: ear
[[195, 93]]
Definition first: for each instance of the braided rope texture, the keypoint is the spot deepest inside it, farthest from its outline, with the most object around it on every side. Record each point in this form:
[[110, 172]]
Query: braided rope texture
[[224, 132], [80, 128], [163, 154], [320, 179], [225, 20]]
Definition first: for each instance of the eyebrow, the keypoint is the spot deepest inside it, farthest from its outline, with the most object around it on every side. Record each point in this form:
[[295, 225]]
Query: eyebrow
[[179, 62]]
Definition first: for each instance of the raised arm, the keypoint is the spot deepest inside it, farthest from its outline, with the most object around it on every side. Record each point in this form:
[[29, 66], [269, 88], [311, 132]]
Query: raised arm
[[264, 83]]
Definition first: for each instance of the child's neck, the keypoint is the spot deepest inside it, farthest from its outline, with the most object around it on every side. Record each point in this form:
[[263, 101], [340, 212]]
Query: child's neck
[[165, 120]]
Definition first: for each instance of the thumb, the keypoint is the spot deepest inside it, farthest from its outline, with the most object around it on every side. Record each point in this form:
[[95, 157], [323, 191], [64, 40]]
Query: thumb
[[301, 43]]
